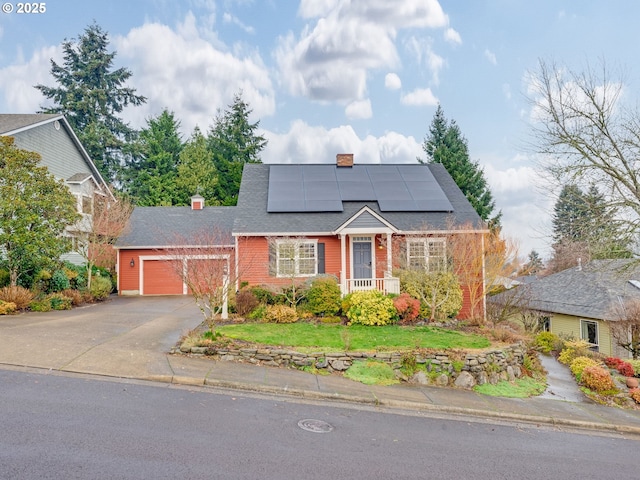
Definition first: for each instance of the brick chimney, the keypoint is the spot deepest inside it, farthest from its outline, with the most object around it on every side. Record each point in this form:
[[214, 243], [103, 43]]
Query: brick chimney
[[197, 202], [344, 160]]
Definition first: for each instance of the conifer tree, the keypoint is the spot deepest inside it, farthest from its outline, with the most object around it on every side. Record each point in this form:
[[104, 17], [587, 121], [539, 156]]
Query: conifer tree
[[91, 95], [446, 144], [234, 141]]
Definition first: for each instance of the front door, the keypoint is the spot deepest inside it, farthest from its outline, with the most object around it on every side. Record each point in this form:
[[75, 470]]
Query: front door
[[362, 260]]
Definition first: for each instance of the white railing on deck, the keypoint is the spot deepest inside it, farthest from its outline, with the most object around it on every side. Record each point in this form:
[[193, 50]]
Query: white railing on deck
[[384, 285]]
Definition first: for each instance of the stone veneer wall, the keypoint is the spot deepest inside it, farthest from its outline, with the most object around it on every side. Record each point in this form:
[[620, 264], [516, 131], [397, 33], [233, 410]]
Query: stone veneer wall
[[442, 368]]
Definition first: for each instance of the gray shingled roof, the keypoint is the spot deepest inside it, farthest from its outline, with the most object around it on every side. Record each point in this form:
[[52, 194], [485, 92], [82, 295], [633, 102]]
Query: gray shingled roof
[[10, 122], [590, 291], [156, 227], [253, 218]]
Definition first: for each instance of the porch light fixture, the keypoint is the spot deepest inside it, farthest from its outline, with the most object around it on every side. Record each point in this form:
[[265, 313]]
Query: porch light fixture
[[381, 244], [132, 263]]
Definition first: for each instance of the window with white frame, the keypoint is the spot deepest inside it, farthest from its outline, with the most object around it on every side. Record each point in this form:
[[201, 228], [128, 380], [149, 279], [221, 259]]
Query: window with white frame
[[297, 258], [427, 253], [589, 332]]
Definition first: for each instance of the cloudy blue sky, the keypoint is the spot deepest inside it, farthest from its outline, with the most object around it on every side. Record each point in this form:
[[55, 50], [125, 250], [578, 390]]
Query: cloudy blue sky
[[331, 76]]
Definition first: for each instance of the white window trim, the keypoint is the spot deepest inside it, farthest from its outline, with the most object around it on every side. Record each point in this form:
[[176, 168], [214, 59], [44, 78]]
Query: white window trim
[[584, 321], [426, 241], [296, 259]]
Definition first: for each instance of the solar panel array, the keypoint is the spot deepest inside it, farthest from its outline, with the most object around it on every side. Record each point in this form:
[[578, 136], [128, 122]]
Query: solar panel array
[[323, 188]]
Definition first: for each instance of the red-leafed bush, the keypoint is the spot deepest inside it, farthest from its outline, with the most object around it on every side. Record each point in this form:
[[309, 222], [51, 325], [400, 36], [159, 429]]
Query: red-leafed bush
[[612, 362], [597, 379], [626, 369], [408, 308], [635, 394]]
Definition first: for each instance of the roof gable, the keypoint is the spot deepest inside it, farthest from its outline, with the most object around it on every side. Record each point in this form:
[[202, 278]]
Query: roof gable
[[254, 218], [51, 136]]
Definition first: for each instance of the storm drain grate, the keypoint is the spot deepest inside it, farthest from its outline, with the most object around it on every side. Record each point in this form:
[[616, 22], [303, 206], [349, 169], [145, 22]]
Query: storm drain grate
[[315, 426]]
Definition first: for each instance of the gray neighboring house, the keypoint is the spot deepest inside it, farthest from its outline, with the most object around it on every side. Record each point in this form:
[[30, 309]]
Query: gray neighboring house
[[581, 301], [51, 136]]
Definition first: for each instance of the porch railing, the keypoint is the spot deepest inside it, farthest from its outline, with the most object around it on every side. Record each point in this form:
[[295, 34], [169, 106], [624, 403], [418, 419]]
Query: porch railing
[[384, 285]]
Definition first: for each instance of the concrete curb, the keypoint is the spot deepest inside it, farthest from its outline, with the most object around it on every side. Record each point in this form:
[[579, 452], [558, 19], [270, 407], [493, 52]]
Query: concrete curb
[[352, 399]]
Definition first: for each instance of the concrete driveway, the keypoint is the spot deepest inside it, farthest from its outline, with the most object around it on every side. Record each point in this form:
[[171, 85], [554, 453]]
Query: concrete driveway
[[128, 335]]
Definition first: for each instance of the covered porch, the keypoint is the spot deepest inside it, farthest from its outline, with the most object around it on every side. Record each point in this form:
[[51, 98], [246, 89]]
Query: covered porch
[[367, 261]]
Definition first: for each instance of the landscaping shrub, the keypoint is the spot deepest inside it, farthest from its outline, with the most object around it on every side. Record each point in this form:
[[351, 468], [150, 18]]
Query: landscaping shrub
[[636, 367], [5, 278], [264, 295], [7, 307], [323, 296], [626, 369], [546, 341], [573, 349], [635, 394], [20, 296], [75, 296], [597, 379], [40, 306], [58, 281], [370, 307], [246, 302], [612, 362], [100, 287], [579, 364], [59, 302], [41, 280], [407, 307], [437, 291], [280, 314], [259, 313]]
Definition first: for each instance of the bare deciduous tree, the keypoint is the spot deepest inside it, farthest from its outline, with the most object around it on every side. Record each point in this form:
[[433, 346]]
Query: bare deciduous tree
[[206, 269], [586, 135], [109, 220], [625, 326]]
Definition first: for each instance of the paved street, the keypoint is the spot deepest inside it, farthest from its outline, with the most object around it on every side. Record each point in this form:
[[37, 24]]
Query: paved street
[[129, 337], [70, 427]]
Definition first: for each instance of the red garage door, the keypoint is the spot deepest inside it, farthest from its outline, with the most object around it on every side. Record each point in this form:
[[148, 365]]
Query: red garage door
[[161, 277]]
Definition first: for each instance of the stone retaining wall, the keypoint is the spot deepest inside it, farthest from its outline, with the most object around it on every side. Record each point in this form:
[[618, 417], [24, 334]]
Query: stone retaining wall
[[441, 368]]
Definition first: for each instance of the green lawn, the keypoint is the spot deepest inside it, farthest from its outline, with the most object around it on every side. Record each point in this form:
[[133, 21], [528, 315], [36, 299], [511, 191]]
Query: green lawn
[[354, 337]]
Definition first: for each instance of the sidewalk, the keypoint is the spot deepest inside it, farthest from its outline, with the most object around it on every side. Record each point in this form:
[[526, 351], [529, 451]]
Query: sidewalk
[[130, 338]]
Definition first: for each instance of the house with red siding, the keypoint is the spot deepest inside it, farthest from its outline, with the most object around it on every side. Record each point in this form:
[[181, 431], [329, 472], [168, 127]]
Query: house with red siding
[[356, 222]]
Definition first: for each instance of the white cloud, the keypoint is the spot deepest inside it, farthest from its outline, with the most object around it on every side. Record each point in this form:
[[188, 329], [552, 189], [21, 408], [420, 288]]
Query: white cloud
[[423, 52], [392, 81], [182, 71], [228, 18], [330, 59], [453, 37], [17, 80], [360, 109], [525, 210], [489, 55], [308, 144], [419, 97]]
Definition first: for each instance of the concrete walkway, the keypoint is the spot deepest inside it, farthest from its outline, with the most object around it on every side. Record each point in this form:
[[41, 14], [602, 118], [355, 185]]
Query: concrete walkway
[[130, 337]]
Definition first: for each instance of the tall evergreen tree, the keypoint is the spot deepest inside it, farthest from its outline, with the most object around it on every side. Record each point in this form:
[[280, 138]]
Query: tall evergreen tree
[[151, 179], [234, 141], [570, 215], [445, 144], [588, 224], [91, 94], [197, 173]]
